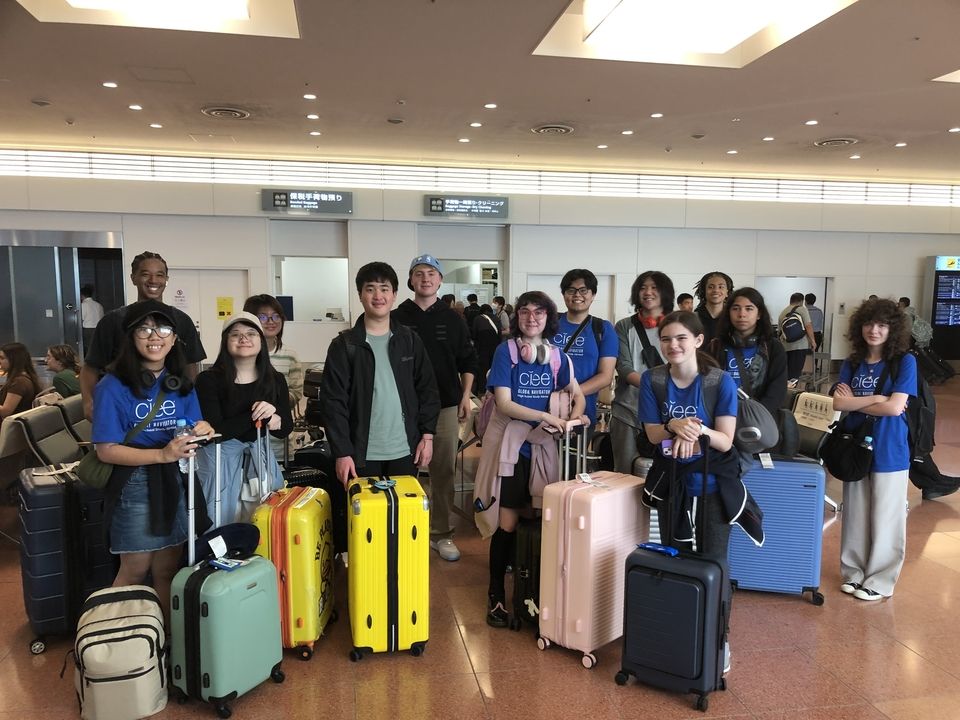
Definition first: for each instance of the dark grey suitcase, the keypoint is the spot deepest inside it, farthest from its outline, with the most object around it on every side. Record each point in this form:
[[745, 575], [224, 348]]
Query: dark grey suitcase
[[675, 619], [63, 551]]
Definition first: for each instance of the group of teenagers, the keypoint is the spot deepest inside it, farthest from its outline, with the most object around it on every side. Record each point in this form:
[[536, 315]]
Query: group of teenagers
[[396, 387]]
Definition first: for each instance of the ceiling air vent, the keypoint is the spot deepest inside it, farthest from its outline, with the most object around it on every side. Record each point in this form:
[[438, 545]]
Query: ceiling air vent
[[836, 142], [551, 129], [225, 112]]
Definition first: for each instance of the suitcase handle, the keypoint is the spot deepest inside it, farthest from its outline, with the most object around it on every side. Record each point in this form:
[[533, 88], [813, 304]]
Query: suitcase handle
[[191, 502], [658, 548]]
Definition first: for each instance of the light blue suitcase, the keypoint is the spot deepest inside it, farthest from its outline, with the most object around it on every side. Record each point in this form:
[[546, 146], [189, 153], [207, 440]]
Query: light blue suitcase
[[791, 497]]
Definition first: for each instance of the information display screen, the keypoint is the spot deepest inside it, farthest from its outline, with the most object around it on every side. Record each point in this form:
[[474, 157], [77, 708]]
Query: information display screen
[[946, 314], [946, 292]]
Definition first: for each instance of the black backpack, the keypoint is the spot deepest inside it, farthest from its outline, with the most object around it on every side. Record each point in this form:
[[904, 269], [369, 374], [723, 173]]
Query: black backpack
[[921, 415]]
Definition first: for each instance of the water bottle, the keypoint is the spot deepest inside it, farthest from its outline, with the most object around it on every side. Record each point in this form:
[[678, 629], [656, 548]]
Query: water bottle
[[183, 429], [867, 443]]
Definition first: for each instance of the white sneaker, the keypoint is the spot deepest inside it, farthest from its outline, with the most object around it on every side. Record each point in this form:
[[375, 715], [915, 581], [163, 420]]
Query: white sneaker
[[343, 557], [446, 549], [726, 658]]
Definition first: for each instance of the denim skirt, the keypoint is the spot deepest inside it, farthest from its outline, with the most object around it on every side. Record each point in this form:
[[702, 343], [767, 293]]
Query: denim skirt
[[130, 524]]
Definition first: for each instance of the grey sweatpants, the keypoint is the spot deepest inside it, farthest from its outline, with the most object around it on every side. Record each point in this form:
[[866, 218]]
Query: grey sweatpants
[[874, 536], [623, 437], [439, 485]]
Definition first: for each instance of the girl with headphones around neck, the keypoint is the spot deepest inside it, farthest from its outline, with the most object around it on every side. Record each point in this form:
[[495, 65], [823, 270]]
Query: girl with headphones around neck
[[522, 392], [745, 338], [652, 296], [241, 388], [144, 504]]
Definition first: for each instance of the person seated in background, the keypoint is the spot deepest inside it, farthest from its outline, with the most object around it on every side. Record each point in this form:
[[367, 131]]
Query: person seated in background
[[62, 360], [22, 383]]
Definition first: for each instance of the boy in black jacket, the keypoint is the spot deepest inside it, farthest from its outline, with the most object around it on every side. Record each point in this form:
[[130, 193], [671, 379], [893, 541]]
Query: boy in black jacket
[[444, 334], [378, 395]]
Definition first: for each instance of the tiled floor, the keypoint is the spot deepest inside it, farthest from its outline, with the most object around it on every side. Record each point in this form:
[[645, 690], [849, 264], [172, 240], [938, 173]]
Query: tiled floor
[[898, 659]]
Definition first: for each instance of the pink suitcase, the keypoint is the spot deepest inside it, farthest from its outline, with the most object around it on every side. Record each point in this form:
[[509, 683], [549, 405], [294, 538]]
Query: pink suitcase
[[590, 526]]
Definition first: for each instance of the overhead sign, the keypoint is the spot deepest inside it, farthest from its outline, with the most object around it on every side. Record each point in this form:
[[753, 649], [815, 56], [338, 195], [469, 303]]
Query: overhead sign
[[339, 202], [471, 206]]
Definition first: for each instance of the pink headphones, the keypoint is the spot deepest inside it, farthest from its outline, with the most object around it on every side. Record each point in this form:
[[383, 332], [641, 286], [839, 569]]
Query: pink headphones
[[534, 354]]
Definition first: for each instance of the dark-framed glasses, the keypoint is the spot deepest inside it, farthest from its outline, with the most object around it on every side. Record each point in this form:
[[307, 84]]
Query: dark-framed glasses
[[275, 317], [145, 331], [581, 291]]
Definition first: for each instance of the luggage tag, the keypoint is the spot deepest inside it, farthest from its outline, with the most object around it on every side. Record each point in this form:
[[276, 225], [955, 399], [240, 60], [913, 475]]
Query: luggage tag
[[226, 563], [766, 462], [384, 483], [587, 480]]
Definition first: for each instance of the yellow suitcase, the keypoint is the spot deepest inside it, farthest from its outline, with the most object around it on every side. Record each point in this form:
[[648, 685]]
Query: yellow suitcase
[[296, 534], [388, 546]]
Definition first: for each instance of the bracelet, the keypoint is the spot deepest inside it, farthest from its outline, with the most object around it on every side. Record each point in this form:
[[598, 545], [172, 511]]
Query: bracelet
[[666, 426]]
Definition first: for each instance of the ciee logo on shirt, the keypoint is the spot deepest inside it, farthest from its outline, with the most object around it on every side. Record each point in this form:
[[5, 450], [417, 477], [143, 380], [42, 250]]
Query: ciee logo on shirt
[[675, 410], [734, 369], [168, 408], [534, 379], [860, 382], [562, 338]]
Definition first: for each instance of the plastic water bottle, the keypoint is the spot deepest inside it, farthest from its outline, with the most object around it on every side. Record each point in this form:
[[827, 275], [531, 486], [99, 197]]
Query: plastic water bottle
[[182, 430], [867, 443]]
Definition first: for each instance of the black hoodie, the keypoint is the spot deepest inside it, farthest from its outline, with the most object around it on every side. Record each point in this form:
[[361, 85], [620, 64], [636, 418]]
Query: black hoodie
[[447, 341]]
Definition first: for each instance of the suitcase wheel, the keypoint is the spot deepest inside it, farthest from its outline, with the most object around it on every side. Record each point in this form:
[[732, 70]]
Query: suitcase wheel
[[277, 674], [37, 646], [589, 661], [621, 678], [305, 652], [816, 598], [417, 649], [543, 643], [702, 703], [356, 655], [223, 710]]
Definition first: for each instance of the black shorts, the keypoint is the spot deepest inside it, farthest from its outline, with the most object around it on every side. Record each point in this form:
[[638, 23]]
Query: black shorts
[[515, 489]]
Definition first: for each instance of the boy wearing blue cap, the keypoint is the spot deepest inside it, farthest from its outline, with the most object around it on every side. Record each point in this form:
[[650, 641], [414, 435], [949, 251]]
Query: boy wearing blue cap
[[447, 341]]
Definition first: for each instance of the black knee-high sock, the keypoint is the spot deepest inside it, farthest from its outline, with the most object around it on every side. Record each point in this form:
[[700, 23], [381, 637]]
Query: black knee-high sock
[[500, 555]]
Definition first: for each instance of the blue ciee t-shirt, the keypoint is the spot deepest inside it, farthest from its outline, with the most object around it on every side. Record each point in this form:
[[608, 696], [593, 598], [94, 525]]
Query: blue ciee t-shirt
[[733, 368], [530, 384], [585, 353], [116, 411], [891, 446], [688, 402]]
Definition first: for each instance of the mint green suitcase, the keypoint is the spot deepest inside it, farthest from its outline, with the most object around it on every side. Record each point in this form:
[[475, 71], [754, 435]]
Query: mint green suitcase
[[225, 626]]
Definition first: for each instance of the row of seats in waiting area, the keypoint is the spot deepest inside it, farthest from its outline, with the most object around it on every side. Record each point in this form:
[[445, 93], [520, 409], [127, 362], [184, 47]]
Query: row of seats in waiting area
[[45, 435]]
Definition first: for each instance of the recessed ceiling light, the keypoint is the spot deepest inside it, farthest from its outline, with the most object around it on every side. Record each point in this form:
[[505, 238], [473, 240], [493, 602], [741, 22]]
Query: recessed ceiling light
[[602, 147], [313, 116], [734, 119], [854, 157], [315, 132], [135, 107], [955, 129], [656, 115], [769, 138], [626, 132], [476, 124], [110, 85], [900, 144], [732, 152], [309, 96], [464, 140], [491, 106], [811, 122], [156, 126]]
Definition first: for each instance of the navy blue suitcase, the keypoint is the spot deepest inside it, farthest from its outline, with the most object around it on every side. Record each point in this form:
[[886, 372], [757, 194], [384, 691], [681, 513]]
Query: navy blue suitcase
[[676, 615], [791, 495], [63, 553]]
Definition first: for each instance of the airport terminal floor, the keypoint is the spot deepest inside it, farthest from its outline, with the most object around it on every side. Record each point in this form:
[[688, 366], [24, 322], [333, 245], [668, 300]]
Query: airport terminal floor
[[851, 660]]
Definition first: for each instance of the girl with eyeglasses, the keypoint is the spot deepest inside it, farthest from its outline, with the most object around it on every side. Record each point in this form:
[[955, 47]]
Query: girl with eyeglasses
[[144, 504], [522, 392], [240, 389], [22, 385]]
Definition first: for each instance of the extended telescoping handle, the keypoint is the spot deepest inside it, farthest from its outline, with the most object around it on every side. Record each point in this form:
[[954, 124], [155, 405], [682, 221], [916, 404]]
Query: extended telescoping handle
[[667, 537], [563, 467], [192, 497], [263, 447]]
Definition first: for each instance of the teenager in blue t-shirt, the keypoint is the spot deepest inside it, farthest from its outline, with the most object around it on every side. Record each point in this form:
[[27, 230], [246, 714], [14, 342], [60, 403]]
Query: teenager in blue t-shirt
[[873, 538], [593, 358], [144, 505], [522, 392]]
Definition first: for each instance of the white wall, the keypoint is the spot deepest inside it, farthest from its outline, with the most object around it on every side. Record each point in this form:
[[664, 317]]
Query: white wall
[[866, 249]]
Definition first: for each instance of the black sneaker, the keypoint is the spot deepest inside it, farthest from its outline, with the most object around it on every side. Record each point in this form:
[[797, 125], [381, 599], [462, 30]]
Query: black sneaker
[[933, 494], [497, 615], [850, 587], [867, 594]]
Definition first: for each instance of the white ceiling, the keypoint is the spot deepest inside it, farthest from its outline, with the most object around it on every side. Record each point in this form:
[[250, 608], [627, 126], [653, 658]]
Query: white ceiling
[[864, 73]]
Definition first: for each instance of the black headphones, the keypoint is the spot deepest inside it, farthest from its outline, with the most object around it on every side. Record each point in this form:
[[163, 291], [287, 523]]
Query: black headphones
[[171, 383], [742, 342]]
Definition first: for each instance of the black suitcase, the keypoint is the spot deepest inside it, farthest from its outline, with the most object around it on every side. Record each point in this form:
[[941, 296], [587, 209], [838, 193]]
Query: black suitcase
[[928, 367], [63, 552], [317, 456], [675, 619], [526, 575], [945, 368], [601, 446]]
